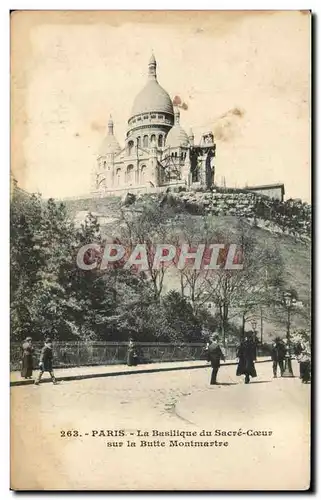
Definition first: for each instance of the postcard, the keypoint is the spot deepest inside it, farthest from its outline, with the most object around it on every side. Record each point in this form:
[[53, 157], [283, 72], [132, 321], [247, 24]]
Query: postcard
[[160, 250]]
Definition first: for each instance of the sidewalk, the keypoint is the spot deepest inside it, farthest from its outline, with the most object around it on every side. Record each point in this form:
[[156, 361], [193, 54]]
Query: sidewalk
[[268, 397], [86, 372]]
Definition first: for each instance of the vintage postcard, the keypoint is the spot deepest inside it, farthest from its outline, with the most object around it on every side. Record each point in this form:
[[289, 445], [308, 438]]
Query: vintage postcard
[[160, 250]]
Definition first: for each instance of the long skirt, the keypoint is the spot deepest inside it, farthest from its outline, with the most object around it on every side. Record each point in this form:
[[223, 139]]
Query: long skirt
[[27, 366], [132, 359], [305, 371], [246, 367]]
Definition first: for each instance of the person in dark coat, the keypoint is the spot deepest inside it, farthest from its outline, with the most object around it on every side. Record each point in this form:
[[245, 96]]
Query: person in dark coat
[[278, 356], [215, 354], [132, 358], [45, 364], [247, 356], [27, 358]]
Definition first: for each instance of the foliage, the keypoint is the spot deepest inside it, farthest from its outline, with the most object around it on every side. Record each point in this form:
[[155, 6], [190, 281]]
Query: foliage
[[50, 295]]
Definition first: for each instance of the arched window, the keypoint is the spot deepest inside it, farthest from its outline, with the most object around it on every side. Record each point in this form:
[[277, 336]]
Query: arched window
[[118, 171], [138, 141], [175, 154], [145, 141], [143, 174], [130, 174], [153, 138], [172, 155], [160, 141], [130, 147]]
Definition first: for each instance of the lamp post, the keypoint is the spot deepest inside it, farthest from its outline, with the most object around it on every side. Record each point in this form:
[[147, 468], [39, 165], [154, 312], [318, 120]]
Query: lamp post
[[288, 301]]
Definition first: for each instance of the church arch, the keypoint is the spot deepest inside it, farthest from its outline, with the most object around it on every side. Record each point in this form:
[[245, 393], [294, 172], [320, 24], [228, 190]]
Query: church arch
[[145, 141]]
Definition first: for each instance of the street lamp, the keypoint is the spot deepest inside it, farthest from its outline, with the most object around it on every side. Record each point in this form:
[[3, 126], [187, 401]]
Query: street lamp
[[288, 301]]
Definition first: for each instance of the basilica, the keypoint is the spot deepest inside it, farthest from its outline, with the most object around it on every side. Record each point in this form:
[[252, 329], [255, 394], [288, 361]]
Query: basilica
[[157, 153]]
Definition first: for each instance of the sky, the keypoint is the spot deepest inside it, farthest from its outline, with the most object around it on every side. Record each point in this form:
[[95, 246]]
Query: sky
[[243, 75]]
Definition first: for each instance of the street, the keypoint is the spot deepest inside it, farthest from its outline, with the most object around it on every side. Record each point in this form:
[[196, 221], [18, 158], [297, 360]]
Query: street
[[265, 425]]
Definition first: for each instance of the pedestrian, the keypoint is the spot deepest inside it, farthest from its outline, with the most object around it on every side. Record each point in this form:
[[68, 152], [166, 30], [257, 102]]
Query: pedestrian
[[278, 356], [304, 359], [132, 358], [247, 356], [215, 354], [27, 358], [45, 364]]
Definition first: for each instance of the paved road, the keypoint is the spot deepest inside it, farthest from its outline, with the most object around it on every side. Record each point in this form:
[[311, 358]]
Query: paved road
[[170, 401]]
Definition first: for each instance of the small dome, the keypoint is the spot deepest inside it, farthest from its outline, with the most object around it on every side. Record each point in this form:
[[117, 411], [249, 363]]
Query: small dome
[[177, 136], [152, 98], [110, 143]]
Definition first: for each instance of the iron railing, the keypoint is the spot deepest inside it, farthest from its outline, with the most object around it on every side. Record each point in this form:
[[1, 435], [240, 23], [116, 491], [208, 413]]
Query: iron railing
[[69, 354]]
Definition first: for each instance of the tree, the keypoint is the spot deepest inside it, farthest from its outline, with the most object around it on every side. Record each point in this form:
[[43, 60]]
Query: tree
[[150, 224], [41, 236], [244, 291], [180, 321]]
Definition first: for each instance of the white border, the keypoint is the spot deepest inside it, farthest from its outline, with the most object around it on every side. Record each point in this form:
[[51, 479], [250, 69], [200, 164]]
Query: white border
[[5, 6]]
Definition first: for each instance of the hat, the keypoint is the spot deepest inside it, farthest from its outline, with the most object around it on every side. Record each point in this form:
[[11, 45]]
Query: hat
[[48, 340], [28, 338]]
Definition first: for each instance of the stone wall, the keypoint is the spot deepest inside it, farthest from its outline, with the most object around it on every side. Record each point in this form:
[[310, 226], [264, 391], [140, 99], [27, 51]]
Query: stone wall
[[290, 217]]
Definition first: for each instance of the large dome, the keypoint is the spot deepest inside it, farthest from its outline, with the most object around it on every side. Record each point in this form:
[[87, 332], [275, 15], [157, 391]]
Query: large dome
[[153, 97]]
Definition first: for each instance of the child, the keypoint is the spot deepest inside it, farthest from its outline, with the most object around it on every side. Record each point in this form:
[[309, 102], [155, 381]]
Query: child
[[45, 364]]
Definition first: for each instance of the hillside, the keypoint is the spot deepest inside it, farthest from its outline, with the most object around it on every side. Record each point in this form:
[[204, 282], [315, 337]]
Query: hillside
[[294, 247]]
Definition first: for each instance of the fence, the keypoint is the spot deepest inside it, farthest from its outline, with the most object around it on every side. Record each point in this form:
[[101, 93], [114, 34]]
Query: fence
[[68, 354]]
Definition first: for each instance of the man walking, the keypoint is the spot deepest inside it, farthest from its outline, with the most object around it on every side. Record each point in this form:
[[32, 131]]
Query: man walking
[[278, 356], [247, 356], [45, 364], [215, 354]]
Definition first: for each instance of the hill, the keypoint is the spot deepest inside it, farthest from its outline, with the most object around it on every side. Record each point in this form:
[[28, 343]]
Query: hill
[[274, 225]]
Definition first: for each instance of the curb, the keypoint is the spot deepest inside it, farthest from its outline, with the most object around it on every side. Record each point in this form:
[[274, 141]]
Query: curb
[[120, 373]]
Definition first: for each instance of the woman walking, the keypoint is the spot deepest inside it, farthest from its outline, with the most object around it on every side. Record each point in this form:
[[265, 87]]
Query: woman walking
[[132, 357], [247, 356], [27, 358]]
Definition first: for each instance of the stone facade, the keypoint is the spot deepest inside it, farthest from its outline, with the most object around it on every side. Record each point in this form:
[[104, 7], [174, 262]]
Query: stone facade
[[158, 153]]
